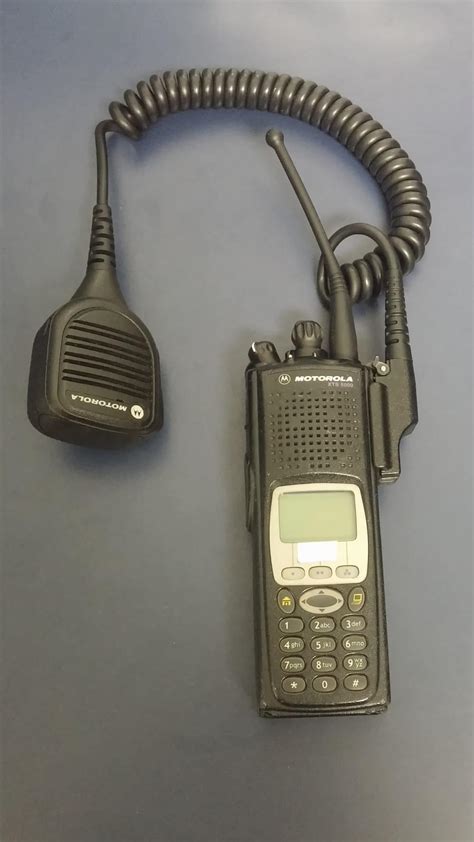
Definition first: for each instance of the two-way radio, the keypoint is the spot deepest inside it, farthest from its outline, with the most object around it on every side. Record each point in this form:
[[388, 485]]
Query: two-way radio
[[323, 429]]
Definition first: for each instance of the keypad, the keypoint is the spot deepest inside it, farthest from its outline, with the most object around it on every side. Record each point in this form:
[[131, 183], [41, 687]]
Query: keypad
[[295, 664], [324, 684], [293, 684], [354, 642], [322, 624], [291, 644], [353, 624], [355, 662], [291, 625], [323, 673], [324, 664], [323, 644], [355, 682]]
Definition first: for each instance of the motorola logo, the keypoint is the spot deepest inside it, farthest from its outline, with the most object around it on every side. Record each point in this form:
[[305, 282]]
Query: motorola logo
[[284, 379], [328, 378], [137, 411], [99, 402]]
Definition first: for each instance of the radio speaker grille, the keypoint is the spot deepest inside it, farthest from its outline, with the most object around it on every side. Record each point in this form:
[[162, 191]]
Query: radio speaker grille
[[314, 431], [104, 357]]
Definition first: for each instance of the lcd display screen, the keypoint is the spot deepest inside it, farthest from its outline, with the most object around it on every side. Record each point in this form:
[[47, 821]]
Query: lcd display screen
[[317, 516]]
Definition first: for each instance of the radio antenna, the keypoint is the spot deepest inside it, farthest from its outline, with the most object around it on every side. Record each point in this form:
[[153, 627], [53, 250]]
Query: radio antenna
[[342, 335]]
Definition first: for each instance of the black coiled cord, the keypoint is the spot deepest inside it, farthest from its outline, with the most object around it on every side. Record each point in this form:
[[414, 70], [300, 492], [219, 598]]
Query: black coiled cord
[[399, 180]]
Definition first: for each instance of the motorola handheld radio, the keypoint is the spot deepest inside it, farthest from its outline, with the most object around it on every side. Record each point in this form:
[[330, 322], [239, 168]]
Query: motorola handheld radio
[[323, 429]]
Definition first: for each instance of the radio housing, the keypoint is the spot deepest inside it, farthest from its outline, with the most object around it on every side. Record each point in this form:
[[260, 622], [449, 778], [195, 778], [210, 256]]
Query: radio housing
[[302, 432]]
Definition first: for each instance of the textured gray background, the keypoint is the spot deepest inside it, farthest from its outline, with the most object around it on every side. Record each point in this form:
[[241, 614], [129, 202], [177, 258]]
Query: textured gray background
[[128, 706]]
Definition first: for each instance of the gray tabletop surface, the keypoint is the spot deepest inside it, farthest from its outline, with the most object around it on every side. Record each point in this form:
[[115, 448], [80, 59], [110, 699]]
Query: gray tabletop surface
[[128, 670]]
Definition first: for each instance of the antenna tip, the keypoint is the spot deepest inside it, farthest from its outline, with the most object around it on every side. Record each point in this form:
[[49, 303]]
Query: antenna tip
[[274, 138]]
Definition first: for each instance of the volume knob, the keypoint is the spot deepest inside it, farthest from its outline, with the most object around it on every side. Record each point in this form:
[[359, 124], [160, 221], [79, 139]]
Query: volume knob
[[307, 337]]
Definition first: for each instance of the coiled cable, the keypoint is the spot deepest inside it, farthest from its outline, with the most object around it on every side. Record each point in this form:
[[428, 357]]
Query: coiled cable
[[389, 164]]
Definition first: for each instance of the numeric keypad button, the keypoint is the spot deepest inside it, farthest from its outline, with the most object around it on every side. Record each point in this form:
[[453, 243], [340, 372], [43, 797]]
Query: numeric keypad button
[[293, 684], [324, 664], [290, 625], [353, 624], [323, 644], [322, 624], [354, 643], [324, 684], [355, 662], [292, 664], [355, 682], [291, 644]]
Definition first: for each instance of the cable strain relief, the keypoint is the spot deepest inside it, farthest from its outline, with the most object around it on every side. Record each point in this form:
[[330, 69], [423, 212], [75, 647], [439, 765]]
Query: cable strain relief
[[101, 278], [102, 242], [342, 334], [397, 338]]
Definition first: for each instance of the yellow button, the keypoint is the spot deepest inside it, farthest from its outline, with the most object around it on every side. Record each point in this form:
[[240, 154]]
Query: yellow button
[[286, 601], [356, 599]]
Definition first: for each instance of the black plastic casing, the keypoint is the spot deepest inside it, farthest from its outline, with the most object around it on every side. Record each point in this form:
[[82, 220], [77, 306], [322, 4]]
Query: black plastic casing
[[95, 376], [301, 432]]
